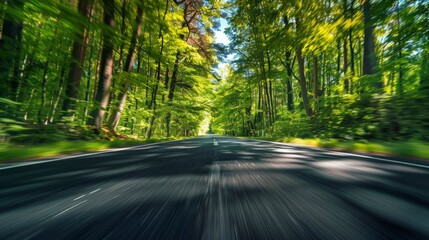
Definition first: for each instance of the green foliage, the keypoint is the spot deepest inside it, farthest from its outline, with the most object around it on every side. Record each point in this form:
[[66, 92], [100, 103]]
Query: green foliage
[[349, 105], [409, 149], [293, 125], [251, 99]]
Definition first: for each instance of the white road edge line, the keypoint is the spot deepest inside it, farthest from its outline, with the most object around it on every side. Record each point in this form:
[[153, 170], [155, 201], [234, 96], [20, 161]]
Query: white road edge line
[[350, 154], [84, 155]]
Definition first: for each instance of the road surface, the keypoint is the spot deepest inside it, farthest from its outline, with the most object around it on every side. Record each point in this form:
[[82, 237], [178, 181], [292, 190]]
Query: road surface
[[215, 188]]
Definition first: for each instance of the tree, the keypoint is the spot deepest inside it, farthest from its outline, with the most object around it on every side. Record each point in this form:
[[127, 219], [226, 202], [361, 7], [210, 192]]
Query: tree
[[128, 67], [10, 42], [78, 54], [106, 66], [370, 66]]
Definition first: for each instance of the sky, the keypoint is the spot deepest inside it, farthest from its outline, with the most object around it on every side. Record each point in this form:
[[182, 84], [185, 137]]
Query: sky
[[220, 37]]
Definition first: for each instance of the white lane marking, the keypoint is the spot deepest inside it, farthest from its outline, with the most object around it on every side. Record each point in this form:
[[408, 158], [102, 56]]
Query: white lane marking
[[85, 154], [350, 154], [214, 177], [79, 197], [70, 208], [219, 225], [96, 190]]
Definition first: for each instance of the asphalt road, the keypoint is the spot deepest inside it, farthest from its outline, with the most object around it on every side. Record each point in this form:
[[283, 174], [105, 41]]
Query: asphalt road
[[215, 188]]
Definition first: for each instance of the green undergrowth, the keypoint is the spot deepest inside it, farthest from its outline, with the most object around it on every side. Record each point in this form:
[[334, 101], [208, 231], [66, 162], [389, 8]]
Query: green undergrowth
[[10, 152], [407, 149]]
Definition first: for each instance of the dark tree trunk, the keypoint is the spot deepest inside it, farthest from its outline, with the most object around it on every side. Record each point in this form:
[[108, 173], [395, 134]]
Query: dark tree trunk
[[369, 57], [289, 67], [289, 87], [171, 92], [106, 66], [123, 34], [352, 53], [302, 78], [345, 67], [303, 83], [9, 46], [155, 90], [43, 93], [128, 67], [315, 78], [88, 80], [78, 58], [400, 83], [424, 73], [339, 55], [17, 68]]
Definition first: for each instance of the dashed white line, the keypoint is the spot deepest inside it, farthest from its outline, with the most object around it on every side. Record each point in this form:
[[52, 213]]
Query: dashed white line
[[79, 197], [96, 190], [70, 208]]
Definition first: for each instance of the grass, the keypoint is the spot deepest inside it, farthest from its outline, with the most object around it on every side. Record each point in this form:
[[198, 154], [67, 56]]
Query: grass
[[12, 152], [407, 149]]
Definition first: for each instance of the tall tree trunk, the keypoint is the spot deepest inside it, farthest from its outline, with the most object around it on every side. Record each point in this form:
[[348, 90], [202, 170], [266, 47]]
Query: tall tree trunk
[[399, 47], [369, 57], [424, 73], [303, 83], [352, 62], [123, 34], [97, 68], [400, 83], [302, 78], [339, 55], [11, 30], [270, 92], [18, 65], [57, 94], [88, 79], [289, 67], [106, 66], [352, 52], [155, 90], [267, 92], [345, 67], [128, 67], [289, 87], [78, 58], [171, 91], [43, 93], [315, 78]]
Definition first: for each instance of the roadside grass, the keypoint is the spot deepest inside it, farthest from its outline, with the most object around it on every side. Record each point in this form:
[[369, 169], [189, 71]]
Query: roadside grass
[[407, 149], [12, 152]]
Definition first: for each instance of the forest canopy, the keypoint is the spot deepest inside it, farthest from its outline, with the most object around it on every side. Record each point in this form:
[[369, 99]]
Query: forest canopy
[[141, 68], [345, 69]]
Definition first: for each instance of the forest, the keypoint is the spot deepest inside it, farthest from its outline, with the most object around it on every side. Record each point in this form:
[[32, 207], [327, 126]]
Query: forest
[[346, 69], [342, 69], [138, 68]]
